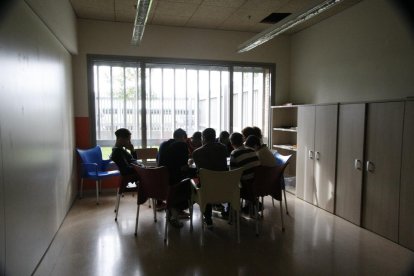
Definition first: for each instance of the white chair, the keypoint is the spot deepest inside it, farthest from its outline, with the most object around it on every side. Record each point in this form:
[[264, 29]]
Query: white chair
[[217, 187]]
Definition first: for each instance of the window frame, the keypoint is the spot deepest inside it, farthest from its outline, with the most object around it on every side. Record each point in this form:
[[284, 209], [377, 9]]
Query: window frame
[[143, 61]]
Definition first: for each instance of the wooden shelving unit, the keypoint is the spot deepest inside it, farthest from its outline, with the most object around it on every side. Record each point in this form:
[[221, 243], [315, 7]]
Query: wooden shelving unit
[[283, 137]]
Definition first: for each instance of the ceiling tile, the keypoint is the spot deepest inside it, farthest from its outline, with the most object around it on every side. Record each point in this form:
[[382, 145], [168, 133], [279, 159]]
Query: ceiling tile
[[175, 9], [224, 3], [213, 13], [125, 10], [168, 20], [299, 5], [265, 5]]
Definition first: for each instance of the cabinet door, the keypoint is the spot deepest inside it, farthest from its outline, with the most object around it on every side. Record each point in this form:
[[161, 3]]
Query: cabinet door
[[351, 126], [383, 166], [325, 156], [406, 228], [305, 153]]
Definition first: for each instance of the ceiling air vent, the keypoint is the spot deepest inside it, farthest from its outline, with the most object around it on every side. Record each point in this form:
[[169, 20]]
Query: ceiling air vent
[[275, 17]]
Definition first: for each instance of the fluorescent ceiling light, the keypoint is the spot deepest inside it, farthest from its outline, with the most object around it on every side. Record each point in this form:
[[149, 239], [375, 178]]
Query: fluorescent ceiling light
[[286, 24], [143, 7]]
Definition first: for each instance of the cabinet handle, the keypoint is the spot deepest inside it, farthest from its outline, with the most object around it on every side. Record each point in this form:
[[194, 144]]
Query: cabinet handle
[[317, 155], [310, 153], [370, 167], [358, 164]]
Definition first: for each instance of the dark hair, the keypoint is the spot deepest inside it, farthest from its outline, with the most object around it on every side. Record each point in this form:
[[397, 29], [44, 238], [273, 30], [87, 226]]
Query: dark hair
[[196, 136], [209, 135], [257, 132], [252, 141], [247, 131], [224, 135], [122, 133], [179, 133], [236, 139]]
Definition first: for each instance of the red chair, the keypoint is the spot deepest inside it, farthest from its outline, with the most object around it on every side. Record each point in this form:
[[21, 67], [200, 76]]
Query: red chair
[[266, 182], [154, 184], [127, 183]]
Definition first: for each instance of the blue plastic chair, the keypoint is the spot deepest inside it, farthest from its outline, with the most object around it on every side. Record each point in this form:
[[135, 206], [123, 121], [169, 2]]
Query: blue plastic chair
[[281, 160], [93, 167]]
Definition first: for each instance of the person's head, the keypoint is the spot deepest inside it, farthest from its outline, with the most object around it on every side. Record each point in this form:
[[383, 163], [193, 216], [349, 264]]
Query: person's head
[[196, 137], [123, 137], [180, 135], [224, 137], [236, 140], [257, 132], [209, 135], [247, 131], [253, 142]]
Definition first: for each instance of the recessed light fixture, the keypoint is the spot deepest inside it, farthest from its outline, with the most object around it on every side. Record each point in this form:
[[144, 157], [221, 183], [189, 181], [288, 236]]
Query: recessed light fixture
[[141, 16], [286, 24]]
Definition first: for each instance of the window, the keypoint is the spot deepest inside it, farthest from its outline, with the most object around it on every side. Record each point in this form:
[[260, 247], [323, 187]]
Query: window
[[192, 97], [117, 101]]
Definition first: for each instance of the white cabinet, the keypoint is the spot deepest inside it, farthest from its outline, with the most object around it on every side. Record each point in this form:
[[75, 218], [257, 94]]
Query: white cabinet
[[316, 155], [381, 192], [406, 223], [351, 128]]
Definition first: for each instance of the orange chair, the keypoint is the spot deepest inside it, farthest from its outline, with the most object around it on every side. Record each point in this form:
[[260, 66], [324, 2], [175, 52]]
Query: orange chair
[[266, 182]]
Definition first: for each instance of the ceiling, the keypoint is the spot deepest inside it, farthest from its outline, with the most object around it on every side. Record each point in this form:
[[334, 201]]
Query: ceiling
[[231, 15]]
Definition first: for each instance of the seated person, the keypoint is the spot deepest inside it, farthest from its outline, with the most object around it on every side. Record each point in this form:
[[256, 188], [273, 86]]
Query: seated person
[[264, 154], [258, 133], [243, 157], [173, 154], [194, 142], [247, 131], [211, 156], [224, 138], [123, 159]]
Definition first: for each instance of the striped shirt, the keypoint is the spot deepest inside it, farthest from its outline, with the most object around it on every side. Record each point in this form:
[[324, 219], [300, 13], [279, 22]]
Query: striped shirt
[[245, 158]]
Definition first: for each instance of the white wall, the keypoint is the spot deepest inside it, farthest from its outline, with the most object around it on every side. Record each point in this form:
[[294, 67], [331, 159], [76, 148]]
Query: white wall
[[59, 17], [37, 183], [98, 37], [364, 53]]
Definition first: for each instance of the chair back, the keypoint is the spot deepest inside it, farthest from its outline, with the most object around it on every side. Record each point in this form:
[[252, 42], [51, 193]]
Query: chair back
[[267, 181], [153, 183], [281, 159], [220, 186], [91, 156], [147, 153]]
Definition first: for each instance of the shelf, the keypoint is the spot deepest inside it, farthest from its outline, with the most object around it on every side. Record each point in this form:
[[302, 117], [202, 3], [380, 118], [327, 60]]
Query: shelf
[[286, 147], [285, 129]]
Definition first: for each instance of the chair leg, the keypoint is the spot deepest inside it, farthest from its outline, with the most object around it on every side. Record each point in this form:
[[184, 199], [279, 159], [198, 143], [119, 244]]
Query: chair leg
[[116, 194], [261, 211], [136, 220], [118, 199], [190, 206], [281, 216], [284, 193], [81, 189], [100, 187], [166, 224], [154, 211], [256, 212], [237, 225], [97, 191]]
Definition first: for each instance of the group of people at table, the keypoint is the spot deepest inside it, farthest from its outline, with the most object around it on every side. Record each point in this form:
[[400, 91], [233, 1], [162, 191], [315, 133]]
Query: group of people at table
[[203, 150]]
